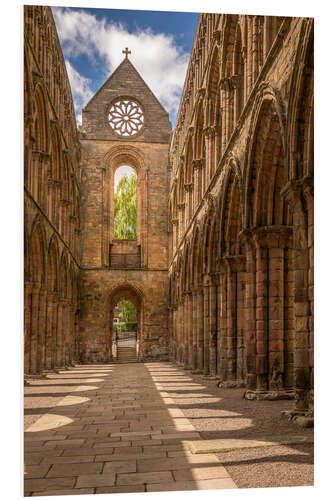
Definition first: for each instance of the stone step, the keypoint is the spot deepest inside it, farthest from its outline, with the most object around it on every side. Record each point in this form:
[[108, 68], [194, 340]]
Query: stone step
[[126, 355]]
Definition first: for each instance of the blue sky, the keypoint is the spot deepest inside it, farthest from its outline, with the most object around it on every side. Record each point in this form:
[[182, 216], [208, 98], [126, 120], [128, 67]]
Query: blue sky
[[93, 39]]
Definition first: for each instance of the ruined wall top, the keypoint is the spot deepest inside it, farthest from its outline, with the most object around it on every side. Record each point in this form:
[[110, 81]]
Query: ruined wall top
[[41, 35]]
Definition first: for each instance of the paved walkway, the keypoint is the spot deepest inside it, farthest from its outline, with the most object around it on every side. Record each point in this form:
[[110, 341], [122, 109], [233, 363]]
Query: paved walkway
[[120, 428]]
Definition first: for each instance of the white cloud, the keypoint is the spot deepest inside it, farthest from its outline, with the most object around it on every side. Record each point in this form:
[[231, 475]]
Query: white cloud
[[80, 89], [161, 63]]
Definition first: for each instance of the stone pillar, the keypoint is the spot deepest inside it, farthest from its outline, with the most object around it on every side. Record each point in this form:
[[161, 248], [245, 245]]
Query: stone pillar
[[261, 328], [41, 331], [233, 265], [174, 332], [271, 243], [200, 329], [256, 49], [213, 327], [34, 328], [48, 331], [194, 329], [27, 326], [187, 203], [206, 289], [60, 349], [220, 328], [177, 334], [197, 166], [296, 192], [71, 335], [186, 332], [249, 53], [55, 320], [250, 310], [190, 330]]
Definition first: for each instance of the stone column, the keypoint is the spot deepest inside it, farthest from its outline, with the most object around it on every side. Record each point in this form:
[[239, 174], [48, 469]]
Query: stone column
[[223, 90], [206, 346], [213, 327], [250, 309], [190, 330], [249, 54], [71, 335], [34, 328], [197, 166], [223, 323], [270, 307], [27, 326], [54, 325], [295, 193], [41, 331], [194, 329], [174, 332], [184, 329], [60, 359], [309, 197], [200, 329], [187, 203], [48, 331], [219, 326], [261, 317], [174, 234], [234, 265]]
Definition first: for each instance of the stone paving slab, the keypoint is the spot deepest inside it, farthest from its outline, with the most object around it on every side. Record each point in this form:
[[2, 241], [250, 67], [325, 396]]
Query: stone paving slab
[[208, 484], [224, 445], [81, 491], [124, 433]]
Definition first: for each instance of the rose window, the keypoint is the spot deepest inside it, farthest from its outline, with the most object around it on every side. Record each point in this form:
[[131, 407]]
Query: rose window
[[126, 117]]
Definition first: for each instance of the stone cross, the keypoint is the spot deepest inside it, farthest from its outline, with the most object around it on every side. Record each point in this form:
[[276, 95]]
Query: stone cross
[[126, 52]]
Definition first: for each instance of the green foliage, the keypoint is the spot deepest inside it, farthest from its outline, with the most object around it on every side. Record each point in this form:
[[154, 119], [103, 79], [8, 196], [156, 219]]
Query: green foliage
[[125, 210], [127, 309], [129, 326]]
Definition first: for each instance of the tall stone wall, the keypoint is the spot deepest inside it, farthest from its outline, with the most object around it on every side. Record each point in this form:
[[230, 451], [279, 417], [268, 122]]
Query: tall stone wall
[[51, 200], [241, 207]]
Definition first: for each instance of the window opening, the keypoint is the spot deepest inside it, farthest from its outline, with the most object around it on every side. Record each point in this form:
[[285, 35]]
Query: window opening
[[125, 203]]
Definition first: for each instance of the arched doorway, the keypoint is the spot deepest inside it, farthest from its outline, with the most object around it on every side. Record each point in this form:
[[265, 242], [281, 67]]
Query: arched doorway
[[126, 323]]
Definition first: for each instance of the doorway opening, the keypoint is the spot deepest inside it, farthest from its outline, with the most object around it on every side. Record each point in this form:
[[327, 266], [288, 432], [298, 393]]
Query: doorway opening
[[126, 324]]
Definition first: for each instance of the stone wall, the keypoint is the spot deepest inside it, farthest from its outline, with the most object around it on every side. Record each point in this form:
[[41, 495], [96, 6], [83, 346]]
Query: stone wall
[[51, 200], [241, 206]]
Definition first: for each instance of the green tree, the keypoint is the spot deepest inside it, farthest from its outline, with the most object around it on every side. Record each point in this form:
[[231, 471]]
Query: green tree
[[127, 310], [125, 211]]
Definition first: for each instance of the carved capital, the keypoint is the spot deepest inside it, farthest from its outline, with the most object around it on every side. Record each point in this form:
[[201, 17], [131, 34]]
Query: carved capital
[[225, 84], [197, 164], [209, 131], [273, 236], [217, 36], [292, 192], [235, 81], [234, 263], [65, 203], [201, 92]]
